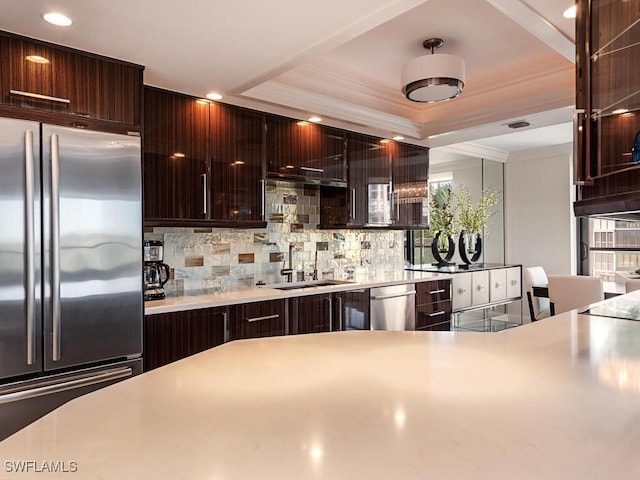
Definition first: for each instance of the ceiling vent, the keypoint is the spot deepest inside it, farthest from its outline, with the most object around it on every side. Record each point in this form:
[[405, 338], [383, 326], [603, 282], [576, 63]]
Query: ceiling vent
[[519, 124]]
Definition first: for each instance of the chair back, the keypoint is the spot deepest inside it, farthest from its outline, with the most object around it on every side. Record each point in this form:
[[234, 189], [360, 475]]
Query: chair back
[[631, 284], [568, 292], [538, 306]]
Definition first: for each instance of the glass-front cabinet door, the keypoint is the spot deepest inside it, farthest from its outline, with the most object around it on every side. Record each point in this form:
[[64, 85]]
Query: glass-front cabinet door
[[612, 83]]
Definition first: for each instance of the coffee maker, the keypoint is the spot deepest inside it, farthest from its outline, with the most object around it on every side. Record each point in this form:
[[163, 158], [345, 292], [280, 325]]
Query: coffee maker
[[156, 273]]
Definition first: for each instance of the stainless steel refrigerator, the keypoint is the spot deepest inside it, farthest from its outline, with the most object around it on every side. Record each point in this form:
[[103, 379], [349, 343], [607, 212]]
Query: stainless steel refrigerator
[[71, 304]]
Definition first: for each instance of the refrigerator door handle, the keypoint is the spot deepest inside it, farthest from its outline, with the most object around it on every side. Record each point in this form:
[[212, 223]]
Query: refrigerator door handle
[[50, 387], [55, 246], [29, 180]]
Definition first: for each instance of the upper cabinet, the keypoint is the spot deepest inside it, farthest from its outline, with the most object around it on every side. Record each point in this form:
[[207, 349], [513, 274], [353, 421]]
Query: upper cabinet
[[410, 176], [38, 77], [175, 165], [203, 162], [304, 151], [607, 100], [237, 166], [387, 186]]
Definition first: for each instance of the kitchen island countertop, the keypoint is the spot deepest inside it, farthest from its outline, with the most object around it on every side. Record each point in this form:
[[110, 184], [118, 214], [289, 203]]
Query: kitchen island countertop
[[555, 399]]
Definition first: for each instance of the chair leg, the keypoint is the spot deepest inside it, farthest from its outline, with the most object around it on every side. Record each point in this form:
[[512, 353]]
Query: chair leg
[[530, 300]]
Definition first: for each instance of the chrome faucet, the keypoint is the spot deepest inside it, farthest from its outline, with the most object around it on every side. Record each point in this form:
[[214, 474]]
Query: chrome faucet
[[288, 272]]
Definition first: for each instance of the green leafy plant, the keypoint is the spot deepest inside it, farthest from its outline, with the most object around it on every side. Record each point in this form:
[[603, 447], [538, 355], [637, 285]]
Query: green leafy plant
[[442, 212], [474, 218]]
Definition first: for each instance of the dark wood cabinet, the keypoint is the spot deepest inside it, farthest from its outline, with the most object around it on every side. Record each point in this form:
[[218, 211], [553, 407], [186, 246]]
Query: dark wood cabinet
[[203, 162], [175, 166], [311, 314], [171, 336], [369, 161], [305, 151], [237, 160], [387, 186], [607, 163], [68, 82], [351, 310], [433, 305], [259, 319], [410, 182]]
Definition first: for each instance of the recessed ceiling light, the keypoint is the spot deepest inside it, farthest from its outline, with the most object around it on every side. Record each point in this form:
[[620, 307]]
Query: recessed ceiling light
[[518, 124], [619, 111], [58, 19], [302, 123], [238, 162], [315, 119], [36, 59], [398, 138], [385, 140], [570, 12], [202, 101], [178, 155], [214, 96]]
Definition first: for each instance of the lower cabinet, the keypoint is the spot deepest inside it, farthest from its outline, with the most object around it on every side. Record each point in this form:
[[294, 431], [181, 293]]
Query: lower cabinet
[[351, 310], [330, 312], [433, 305], [171, 336], [258, 319], [311, 314]]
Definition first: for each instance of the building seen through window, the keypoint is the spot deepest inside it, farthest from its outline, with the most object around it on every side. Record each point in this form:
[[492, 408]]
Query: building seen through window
[[614, 247]]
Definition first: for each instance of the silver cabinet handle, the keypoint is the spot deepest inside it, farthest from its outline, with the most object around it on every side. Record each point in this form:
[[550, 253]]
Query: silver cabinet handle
[[330, 300], [340, 315], [433, 292], [480, 287], [263, 194], [204, 192], [49, 387], [225, 321], [29, 180], [396, 203], [498, 284], [353, 204], [311, 169], [462, 290], [393, 295], [266, 317], [579, 130], [514, 282], [55, 247], [437, 314], [39, 96]]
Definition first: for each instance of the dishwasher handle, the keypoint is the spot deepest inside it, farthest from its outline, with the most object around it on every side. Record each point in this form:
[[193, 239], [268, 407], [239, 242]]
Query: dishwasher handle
[[394, 295]]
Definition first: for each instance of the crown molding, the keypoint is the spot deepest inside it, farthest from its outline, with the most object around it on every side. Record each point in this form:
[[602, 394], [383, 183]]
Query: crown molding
[[337, 109], [477, 151]]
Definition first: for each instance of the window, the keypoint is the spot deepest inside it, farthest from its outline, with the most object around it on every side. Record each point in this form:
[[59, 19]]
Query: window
[[614, 246]]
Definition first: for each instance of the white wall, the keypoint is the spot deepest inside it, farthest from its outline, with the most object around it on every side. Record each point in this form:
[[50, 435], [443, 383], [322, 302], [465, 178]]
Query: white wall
[[539, 195]]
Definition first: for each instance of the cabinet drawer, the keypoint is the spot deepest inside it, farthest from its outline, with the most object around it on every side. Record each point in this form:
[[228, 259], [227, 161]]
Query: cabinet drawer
[[260, 319], [514, 283], [433, 313], [444, 326], [498, 286], [461, 291], [480, 287], [433, 291]]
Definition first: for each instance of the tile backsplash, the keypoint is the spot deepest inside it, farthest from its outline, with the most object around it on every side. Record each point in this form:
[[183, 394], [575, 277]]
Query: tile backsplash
[[222, 259]]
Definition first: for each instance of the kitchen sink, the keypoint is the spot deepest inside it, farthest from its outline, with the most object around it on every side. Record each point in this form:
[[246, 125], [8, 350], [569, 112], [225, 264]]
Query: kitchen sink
[[309, 284]]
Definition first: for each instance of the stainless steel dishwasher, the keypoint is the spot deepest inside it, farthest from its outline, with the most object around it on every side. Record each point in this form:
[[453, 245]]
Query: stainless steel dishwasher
[[393, 307]]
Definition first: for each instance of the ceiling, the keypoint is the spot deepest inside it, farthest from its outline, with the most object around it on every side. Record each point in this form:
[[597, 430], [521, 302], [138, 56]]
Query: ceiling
[[341, 60]]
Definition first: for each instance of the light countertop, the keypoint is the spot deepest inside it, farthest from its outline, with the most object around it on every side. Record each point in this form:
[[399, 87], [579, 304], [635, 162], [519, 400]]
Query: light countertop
[[260, 294], [556, 399]]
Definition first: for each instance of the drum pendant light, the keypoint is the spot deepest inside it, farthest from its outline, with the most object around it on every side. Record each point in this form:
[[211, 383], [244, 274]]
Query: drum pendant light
[[433, 78]]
